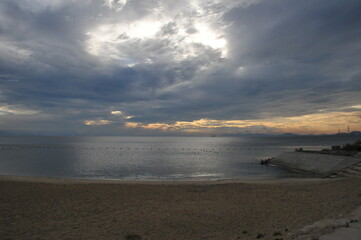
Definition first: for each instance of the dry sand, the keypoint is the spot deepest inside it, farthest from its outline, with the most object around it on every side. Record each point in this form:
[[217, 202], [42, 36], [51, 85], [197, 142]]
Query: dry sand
[[73, 209]]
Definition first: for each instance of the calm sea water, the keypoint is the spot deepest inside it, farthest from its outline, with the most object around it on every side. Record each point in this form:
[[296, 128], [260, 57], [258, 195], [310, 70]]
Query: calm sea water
[[151, 158]]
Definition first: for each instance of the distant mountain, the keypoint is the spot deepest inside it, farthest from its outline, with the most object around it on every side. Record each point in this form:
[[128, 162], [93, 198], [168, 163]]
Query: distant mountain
[[354, 133], [289, 135]]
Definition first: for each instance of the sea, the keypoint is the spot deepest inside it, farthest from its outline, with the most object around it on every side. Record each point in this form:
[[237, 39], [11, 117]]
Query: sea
[[153, 158]]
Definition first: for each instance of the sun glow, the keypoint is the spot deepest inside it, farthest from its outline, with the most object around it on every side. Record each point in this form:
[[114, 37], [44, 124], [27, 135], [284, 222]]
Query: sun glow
[[317, 123], [207, 37]]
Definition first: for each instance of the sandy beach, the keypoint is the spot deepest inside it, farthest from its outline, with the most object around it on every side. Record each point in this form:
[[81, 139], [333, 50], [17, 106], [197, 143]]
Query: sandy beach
[[36, 208]]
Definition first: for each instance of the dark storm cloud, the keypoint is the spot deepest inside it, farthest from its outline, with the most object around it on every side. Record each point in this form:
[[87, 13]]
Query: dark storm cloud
[[284, 58], [307, 48]]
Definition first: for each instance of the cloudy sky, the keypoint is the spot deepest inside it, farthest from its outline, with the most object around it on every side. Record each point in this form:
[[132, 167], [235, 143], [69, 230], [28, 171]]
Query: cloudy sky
[[135, 67]]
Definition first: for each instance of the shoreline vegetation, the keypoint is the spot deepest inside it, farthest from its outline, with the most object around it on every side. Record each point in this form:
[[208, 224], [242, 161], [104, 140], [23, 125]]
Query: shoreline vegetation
[[41, 208]]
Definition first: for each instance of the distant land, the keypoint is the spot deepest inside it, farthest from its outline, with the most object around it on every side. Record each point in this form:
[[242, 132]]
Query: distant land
[[353, 133]]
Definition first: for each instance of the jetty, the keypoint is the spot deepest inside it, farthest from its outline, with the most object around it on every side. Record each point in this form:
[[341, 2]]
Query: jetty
[[320, 164], [326, 162]]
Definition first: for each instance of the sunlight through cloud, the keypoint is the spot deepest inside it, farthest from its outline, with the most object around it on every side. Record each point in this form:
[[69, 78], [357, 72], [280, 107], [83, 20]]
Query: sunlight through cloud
[[176, 32]]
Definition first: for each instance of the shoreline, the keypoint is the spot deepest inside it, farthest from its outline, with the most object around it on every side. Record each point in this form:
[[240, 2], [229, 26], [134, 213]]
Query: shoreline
[[53, 208], [65, 180]]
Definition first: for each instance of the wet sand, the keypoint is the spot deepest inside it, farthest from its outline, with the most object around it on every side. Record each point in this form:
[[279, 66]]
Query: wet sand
[[36, 208]]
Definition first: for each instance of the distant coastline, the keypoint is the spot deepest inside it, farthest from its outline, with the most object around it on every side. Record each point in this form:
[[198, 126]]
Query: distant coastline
[[353, 133], [20, 134]]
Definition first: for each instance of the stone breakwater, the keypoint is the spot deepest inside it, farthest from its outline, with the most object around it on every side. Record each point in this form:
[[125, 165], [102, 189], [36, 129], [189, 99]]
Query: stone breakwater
[[320, 164]]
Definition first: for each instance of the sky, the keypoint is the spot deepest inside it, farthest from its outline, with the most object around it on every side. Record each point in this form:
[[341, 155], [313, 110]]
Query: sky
[[179, 67]]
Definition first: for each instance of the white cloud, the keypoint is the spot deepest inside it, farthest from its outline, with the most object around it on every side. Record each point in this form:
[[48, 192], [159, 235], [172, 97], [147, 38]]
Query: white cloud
[[194, 23], [97, 122], [121, 113], [16, 110], [356, 106], [117, 5], [117, 113]]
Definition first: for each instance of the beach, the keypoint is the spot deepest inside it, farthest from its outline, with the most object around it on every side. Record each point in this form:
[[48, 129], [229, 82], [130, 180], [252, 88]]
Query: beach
[[40, 208]]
